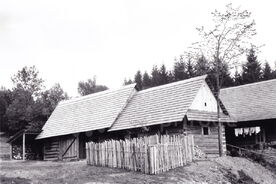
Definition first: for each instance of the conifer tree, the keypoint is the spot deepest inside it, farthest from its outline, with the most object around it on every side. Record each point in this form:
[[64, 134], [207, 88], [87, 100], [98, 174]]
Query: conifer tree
[[179, 70], [267, 72], [138, 80], [127, 82], [170, 77], [251, 70], [190, 68], [202, 66], [237, 78], [146, 80], [155, 76], [164, 79]]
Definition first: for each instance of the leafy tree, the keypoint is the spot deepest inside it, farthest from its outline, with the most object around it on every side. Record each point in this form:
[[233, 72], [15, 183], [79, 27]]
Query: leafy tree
[[20, 111], [89, 87], [28, 79], [163, 74], [50, 98], [5, 101], [27, 105], [138, 80], [45, 105], [251, 70], [267, 72], [225, 42], [155, 76], [146, 80]]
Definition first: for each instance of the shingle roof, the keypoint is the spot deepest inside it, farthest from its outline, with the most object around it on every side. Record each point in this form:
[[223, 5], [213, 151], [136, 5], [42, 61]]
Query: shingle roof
[[157, 105], [207, 116], [91, 112], [250, 102]]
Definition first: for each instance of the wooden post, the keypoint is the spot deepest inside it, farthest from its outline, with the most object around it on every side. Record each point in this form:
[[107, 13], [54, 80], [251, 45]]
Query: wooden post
[[11, 151], [263, 134], [44, 149], [77, 148], [23, 147]]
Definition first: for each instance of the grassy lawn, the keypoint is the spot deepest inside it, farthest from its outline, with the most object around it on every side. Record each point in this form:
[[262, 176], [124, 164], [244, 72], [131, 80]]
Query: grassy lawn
[[78, 172]]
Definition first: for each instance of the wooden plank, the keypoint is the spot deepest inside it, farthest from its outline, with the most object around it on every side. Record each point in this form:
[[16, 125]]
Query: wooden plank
[[149, 154], [69, 146]]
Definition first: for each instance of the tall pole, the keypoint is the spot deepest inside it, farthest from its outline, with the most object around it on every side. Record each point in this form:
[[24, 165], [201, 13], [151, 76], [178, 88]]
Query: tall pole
[[218, 110]]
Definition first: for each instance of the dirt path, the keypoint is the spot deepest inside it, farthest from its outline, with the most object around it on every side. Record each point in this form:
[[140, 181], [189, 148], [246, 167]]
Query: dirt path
[[220, 170]]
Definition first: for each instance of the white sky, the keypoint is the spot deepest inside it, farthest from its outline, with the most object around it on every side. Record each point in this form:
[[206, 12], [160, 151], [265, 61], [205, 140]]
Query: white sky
[[69, 41]]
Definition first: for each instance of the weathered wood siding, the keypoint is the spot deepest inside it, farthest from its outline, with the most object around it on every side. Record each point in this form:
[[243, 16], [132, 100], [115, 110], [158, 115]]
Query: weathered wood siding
[[51, 149], [207, 143], [204, 100], [69, 147], [61, 148]]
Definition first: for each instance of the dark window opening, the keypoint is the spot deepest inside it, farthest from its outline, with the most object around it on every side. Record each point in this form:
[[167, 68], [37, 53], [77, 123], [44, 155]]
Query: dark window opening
[[205, 130], [205, 104]]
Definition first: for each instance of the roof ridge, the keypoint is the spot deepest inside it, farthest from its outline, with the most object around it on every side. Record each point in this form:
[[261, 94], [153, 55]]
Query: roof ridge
[[173, 83], [101, 93], [250, 84]]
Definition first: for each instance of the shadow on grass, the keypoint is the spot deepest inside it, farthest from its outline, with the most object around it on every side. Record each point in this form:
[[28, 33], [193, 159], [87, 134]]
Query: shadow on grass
[[242, 178], [11, 180]]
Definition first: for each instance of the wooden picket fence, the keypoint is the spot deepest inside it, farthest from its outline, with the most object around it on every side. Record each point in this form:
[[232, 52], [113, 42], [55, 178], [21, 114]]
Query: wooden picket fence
[[149, 154]]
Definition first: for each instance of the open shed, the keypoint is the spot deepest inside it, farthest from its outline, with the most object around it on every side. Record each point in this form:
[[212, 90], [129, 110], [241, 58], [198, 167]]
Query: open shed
[[23, 145]]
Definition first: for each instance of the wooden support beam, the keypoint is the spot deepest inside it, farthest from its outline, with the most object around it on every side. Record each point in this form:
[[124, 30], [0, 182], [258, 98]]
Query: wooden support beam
[[24, 148], [11, 151], [263, 134]]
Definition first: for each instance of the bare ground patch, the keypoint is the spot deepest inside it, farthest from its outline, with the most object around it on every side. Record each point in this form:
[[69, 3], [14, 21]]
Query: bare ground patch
[[220, 170]]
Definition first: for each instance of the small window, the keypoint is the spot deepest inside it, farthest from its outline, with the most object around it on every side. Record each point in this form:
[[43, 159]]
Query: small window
[[205, 130], [205, 104]]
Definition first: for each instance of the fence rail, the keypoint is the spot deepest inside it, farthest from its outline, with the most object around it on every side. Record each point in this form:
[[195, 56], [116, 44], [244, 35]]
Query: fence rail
[[149, 154]]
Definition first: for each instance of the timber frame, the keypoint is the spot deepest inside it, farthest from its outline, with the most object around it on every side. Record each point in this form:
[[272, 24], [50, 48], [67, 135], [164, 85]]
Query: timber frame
[[23, 134]]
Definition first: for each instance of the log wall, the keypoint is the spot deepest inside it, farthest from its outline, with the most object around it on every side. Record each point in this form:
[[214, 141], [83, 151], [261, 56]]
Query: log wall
[[207, 143], [51, 149], [61, 148]]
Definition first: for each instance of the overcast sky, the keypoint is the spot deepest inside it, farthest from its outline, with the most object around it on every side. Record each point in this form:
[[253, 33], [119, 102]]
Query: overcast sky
[[69, 41]]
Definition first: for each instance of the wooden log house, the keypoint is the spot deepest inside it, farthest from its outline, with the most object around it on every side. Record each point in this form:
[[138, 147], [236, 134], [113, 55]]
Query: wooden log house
[[184, 107]]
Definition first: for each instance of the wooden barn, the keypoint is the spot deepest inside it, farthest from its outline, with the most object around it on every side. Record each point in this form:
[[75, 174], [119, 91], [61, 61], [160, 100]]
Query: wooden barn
[[187, 107], [184, 107], [76, 121], [253, 106]]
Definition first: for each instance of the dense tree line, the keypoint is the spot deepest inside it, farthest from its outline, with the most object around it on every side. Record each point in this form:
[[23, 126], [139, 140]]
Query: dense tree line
[[251, 71], [29, 104]]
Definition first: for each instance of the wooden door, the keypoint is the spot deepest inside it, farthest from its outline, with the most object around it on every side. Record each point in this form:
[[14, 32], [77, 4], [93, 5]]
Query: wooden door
[[69, 147]]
